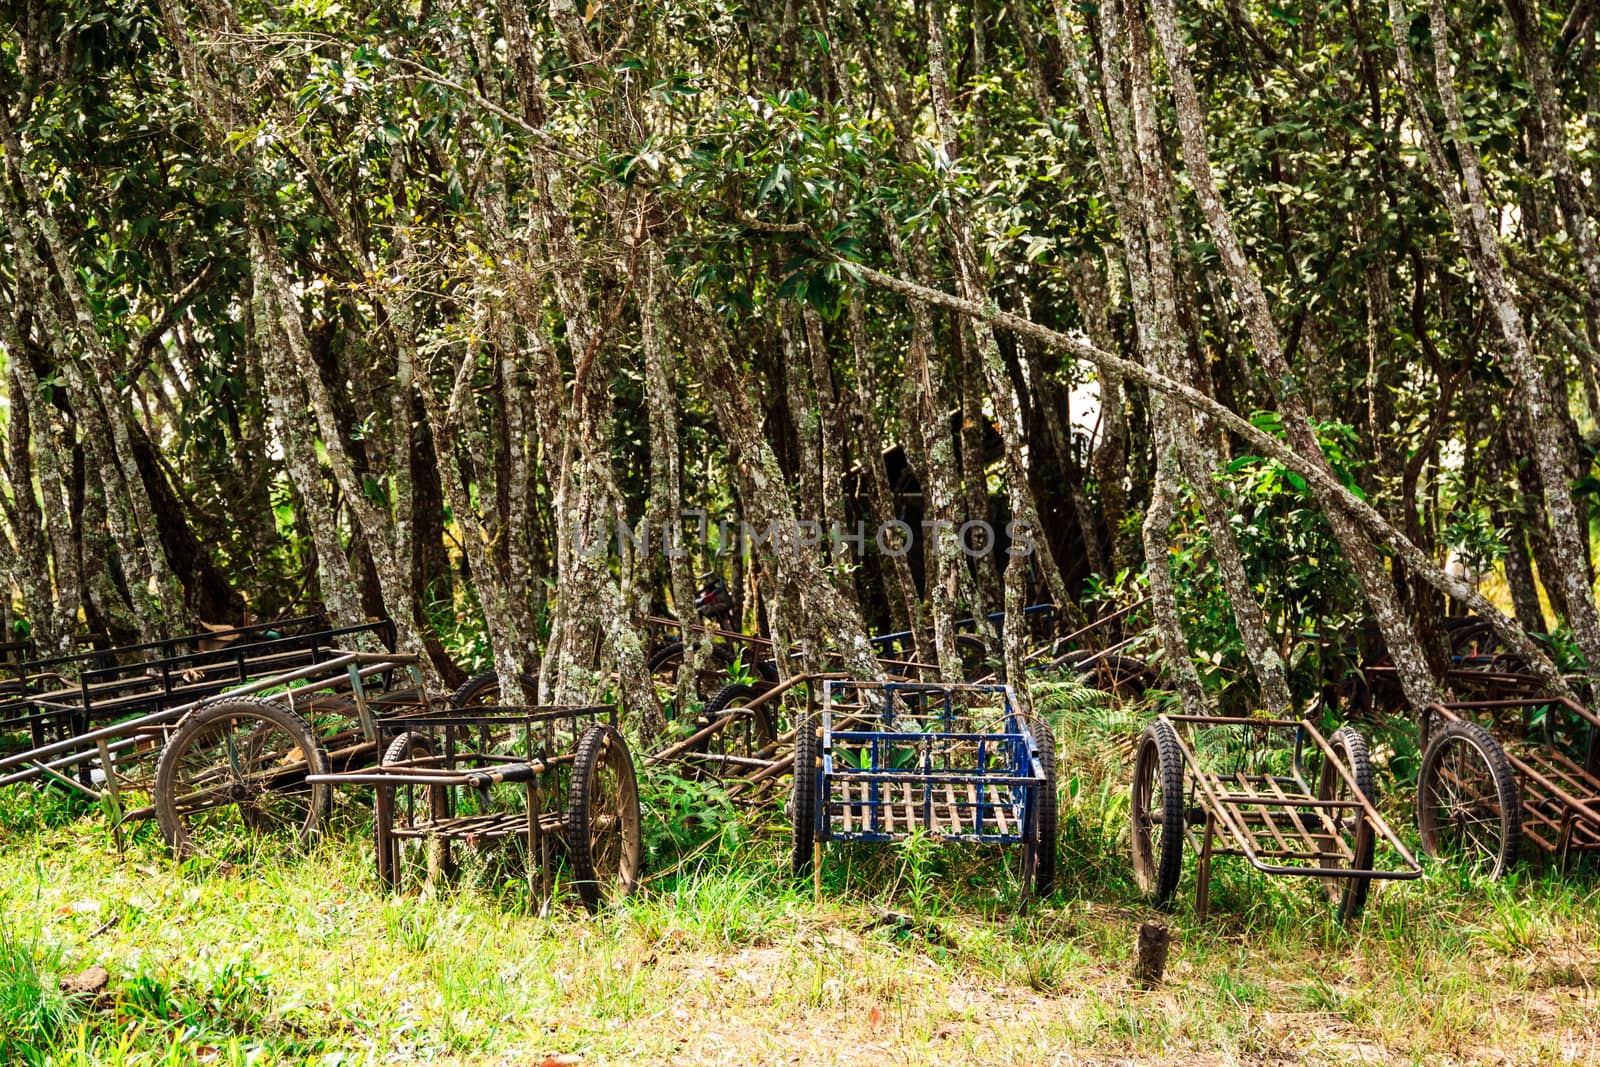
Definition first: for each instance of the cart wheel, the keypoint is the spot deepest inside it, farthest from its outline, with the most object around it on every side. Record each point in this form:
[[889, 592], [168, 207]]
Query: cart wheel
[[742, 738], [409, 810], [1468, 810], [603, 818], [1126, 676], [479, 691], [1156, 811], [1043, 848], [665, 663], [237, 767], [1352, 842], [807, 771]]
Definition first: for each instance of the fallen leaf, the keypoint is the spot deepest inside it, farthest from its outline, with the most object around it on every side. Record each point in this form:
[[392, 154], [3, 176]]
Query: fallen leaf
[[874, 1017]]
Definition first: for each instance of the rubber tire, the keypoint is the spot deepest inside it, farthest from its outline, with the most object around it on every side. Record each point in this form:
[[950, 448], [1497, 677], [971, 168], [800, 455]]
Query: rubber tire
[[167, 817], [672, 650], [1159, 753], [595, 743], [406, 747], [719, 703], [1128, 673], [727, 695], [1047, 807], [1352, 892], [470, 692], [1505, 782], [803, 806]]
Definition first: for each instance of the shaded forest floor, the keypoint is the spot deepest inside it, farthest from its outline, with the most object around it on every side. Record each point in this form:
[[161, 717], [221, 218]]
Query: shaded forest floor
[[912, 954]]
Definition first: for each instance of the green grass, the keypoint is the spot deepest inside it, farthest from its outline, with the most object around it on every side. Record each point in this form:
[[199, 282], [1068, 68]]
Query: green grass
[[913, 953]]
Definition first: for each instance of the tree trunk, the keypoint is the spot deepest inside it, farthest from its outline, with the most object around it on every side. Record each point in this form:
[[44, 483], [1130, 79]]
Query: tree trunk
[[1269, 447], [297, 440], [1410, 660], [1471, 214], [904, 604]]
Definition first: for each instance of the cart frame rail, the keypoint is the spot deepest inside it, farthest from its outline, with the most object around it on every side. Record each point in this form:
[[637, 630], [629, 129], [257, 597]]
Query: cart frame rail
[[1276, 821], [473, 751]]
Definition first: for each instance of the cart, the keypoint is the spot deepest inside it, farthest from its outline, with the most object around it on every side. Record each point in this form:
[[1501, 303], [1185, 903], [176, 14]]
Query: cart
[[214, 744], [64, 697], [744, 738], [1497, 772], [548, 777], [1244, 787], [959, 762]]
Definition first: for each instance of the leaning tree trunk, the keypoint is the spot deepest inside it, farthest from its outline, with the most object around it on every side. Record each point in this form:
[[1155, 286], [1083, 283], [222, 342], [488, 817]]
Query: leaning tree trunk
[[1473, 219], [1315, 472], [1158, 566], [1008, 412], [904, 604], [444, 421], [1552, 145], [822, 615], [665, 514], [1410, 659], [933, 447], [28, 552], [297, 441], [98, 406], [1139, 184], [57, 626]]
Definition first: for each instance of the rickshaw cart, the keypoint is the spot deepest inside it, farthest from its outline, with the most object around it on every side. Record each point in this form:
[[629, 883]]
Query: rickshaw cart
[[1495, 772], [1249, 793], [486, 776], [958, 762]]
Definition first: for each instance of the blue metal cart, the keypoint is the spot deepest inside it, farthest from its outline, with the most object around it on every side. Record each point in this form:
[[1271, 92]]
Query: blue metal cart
[[884, 760]]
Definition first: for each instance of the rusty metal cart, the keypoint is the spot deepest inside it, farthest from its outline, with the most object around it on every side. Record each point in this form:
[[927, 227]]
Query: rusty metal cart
[[963, 762], [1496, 773], [548, 777], [215, 744], [745, 736], [1274, 791], [62, 696]]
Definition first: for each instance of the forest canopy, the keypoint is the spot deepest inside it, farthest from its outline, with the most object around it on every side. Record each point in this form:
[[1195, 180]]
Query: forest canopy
[[501, 322]]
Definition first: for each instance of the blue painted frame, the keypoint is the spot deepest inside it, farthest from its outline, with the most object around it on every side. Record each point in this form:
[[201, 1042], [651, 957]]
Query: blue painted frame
[[924, 720]]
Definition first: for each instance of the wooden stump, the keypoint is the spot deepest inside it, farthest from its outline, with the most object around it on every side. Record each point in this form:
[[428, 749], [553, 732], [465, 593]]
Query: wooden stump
[[1150, 961]]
